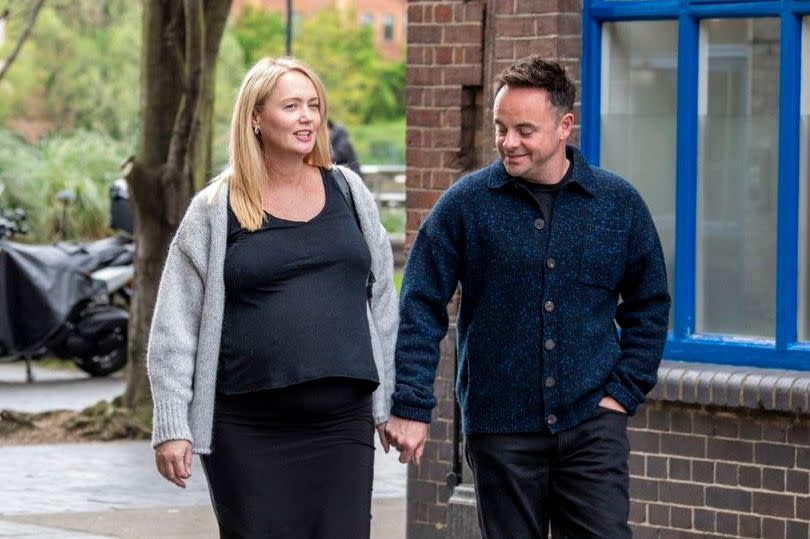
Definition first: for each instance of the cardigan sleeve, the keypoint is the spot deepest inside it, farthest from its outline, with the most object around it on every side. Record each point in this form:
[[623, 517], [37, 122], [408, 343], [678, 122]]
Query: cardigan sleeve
[[172, 347], [385, 313], [643, 314]]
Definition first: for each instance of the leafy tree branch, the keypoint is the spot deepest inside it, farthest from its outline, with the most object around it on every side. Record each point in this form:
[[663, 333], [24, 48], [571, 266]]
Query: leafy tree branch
[[21, 39]]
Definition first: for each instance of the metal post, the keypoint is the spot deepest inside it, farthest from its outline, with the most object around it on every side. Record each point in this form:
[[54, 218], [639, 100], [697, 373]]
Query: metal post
[[288, 31], [65, 197], [454, 478], [29, 371]]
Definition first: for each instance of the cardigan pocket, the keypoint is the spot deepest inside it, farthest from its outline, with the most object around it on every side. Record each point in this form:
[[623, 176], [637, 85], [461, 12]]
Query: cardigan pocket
[[604, 257]]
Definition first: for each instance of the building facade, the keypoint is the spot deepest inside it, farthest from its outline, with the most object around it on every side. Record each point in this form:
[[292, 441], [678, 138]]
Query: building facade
[[387, 18], [704, 105]]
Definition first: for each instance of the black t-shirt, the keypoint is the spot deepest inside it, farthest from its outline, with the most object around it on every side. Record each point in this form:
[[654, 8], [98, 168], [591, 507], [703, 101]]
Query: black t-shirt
[[295, 301], [546, 194]]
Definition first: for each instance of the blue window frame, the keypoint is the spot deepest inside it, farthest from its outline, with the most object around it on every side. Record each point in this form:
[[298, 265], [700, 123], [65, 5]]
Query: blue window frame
[[784, 350]]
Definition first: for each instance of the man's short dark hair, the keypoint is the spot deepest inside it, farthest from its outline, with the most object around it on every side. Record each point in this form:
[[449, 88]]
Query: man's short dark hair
[[535, 72]]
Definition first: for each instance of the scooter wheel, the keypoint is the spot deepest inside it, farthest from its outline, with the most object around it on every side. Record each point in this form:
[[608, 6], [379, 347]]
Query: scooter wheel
[[104, 364]]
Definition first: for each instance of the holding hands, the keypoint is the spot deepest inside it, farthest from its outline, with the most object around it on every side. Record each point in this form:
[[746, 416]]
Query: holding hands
[[408, 437]]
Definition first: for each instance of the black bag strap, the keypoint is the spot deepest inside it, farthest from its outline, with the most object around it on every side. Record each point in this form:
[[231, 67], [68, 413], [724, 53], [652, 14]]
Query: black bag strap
[[343, 184]]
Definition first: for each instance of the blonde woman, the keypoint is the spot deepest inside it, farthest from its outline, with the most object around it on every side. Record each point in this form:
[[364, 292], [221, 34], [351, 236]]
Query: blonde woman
[[271, 350]]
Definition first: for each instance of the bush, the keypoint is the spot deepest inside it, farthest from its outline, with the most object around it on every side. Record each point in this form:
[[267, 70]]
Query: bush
[[393, 220], [82, 162], [380, 143]]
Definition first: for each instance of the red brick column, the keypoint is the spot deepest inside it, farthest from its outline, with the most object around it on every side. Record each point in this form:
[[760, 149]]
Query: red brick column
[[444, 56]]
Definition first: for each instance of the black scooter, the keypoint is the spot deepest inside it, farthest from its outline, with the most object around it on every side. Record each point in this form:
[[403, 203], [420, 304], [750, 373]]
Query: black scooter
[[66, 300]]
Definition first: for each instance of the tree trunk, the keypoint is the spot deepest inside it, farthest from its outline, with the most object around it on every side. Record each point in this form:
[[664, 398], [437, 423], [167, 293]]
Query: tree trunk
[[181, 41]]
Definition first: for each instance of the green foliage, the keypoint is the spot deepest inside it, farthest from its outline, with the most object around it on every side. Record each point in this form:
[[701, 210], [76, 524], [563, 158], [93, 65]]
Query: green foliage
[[230, 70], [260, 33], [83, 162], [79, 69], [345, 59], [77, 82], [398, 280], [393, 219], [389, 94], [379, 143], [362, 86]]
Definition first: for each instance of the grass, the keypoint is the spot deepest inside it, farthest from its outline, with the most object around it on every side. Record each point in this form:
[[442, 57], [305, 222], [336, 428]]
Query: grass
[[398, 280], [56, 364], [393, 219], [379, 143]]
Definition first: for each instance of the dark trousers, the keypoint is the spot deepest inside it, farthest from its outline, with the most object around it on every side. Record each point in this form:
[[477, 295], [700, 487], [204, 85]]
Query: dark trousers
[[576, 480]]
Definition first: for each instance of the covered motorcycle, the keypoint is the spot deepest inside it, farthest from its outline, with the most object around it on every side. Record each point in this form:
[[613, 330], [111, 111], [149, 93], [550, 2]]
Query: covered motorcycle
[[51, 302]]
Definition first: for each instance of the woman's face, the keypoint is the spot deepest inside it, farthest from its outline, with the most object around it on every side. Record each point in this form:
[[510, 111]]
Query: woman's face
[[290, 117]]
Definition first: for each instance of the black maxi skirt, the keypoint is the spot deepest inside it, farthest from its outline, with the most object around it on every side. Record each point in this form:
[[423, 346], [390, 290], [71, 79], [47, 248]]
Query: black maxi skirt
[[293, 463]]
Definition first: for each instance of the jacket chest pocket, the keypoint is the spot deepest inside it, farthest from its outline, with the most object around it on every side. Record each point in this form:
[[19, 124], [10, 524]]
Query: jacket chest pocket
[[604, 257]]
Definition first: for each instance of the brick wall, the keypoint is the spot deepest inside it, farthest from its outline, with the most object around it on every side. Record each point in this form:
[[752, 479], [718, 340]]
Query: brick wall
[[701, 472], [444, 63], [722, 452]]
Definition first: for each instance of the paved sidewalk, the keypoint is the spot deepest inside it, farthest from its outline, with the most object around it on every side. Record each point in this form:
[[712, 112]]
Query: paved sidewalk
[[54, 389], [103, 490], [112, 490]]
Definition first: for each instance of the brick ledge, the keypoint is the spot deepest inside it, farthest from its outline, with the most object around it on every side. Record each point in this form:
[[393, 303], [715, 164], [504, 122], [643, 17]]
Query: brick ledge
[[732, 386]]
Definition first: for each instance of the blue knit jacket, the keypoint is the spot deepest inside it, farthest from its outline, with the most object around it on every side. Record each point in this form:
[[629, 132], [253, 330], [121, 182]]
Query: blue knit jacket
[[538, 345]]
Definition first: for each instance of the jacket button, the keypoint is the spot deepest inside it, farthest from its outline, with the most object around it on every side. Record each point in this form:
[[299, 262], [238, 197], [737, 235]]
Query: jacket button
[[539, 223], [550, 382], [551, 419], [548, 306], [549, 344], [551, 263]]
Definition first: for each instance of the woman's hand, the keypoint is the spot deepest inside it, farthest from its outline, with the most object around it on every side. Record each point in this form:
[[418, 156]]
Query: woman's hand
[[173, 459], [383, 438]]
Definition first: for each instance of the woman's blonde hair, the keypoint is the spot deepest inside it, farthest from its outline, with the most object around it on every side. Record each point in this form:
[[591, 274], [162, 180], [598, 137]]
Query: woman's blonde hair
[[245, 172]]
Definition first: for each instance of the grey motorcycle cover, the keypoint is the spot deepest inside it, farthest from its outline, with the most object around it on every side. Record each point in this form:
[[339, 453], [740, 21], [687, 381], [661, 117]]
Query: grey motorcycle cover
[[41, 284]]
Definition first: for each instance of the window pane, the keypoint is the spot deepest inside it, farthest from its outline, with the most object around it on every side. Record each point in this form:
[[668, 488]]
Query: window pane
[[804, 182], [738, 104], [639, 87], [388, 27]]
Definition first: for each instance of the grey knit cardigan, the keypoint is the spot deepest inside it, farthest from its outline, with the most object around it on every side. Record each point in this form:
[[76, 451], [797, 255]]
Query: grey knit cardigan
[[184, 341]]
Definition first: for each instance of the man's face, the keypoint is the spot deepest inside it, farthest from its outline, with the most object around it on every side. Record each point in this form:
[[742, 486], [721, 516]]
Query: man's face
[[529, 133]]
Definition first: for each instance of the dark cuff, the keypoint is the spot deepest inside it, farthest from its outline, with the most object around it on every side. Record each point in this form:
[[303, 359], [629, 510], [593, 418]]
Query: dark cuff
[[622, 396], [409, 412]]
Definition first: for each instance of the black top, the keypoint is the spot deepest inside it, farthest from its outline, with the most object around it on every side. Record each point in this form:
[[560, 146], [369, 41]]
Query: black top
[[295, 301], [546, 195]]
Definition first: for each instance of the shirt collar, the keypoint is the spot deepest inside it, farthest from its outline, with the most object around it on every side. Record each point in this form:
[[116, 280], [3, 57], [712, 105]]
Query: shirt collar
[[582, 179]]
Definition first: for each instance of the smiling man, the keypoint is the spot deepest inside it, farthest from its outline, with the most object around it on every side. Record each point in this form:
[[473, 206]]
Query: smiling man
[[551, 255]]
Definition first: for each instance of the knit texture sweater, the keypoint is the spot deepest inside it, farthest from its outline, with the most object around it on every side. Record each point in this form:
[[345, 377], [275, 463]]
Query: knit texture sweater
[[184, 341], [537, 338]]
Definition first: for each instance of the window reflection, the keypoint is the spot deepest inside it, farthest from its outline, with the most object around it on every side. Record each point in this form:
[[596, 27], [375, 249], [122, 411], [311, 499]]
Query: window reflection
[[639, 88], [804, 189], [738, 158]]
